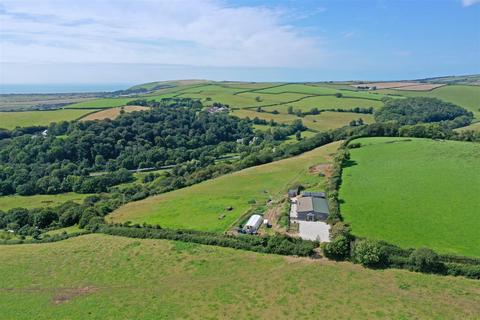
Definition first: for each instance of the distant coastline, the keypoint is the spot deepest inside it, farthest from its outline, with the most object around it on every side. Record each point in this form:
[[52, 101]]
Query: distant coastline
[[61, 88]]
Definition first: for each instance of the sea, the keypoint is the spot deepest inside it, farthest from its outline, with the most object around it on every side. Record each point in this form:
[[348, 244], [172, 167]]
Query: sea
[[62, 88]]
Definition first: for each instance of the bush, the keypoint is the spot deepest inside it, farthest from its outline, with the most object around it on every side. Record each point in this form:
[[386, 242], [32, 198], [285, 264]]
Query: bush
[[370, 253], [425, 260], [338, 249], [340, 229]]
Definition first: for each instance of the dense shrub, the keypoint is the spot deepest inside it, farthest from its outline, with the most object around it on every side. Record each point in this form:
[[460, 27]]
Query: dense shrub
[[425, 260], [338, 248], [369, 253]]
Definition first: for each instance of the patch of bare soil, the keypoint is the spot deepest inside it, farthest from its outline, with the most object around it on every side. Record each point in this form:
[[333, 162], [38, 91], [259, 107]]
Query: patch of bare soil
[[66, 295], [324, 168], [421, 87], [273, 214]]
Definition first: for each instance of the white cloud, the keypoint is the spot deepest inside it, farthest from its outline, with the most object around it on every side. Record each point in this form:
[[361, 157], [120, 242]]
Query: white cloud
[[196, 32], [467, 3]]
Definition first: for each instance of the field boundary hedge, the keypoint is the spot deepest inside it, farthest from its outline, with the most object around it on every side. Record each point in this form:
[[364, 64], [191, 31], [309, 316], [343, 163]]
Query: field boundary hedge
[[278, 244]]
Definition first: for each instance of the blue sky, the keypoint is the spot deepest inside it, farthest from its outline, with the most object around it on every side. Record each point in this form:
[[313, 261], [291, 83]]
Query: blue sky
[[119, 41]]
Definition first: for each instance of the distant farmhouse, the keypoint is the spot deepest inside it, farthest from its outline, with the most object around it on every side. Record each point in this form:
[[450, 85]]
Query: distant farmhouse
[[310, 206], [217, 107]]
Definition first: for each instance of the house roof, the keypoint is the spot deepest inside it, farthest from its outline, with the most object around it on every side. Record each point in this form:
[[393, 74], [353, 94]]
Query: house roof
[[304, 204], [309, 204]]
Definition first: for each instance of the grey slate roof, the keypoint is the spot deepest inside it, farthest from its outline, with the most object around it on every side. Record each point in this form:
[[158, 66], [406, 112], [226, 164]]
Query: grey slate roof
[[315, 204], [313, 194]]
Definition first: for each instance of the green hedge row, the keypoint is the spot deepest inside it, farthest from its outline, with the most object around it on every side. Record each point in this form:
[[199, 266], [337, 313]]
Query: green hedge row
[[278, 244]]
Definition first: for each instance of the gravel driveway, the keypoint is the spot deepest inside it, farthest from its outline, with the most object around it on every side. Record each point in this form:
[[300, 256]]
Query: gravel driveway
[[314, 230]]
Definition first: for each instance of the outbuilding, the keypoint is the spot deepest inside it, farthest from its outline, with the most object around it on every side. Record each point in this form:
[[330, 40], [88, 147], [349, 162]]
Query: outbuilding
[[253, 223], [312, 208]]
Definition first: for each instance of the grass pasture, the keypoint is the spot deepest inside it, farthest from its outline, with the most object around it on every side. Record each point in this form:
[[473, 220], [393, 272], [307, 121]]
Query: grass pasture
[[101, 103], [321, 122], [326, 102], [199, 207], [10, 120], [38, 201], [414, 193], [105, 277]]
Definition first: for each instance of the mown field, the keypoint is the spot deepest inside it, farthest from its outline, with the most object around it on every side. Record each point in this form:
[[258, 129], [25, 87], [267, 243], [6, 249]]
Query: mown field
[[414, 193], [200, 206], [38, 201], [112, 113], [106, 277], [10, 120], [474, 126]]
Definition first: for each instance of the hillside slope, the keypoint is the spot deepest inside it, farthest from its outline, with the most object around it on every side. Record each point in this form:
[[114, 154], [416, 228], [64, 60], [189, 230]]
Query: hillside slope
[[105, 277], [199, 206]]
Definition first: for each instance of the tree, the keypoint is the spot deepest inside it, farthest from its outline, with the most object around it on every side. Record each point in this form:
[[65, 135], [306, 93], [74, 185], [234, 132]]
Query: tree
[[353, 123], [338, 95], [258, 98], [360, 122], [290, 110], [425, 260], [44, 217], [369, 253], [338, 248], [298, 135]]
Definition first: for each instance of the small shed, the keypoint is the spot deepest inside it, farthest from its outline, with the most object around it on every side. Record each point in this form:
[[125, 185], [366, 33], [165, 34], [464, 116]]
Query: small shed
[[253, 223], [293, 193]]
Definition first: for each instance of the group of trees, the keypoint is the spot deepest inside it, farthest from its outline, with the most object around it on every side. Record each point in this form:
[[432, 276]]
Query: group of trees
[[172, 132], [30, 222], [410, 111]]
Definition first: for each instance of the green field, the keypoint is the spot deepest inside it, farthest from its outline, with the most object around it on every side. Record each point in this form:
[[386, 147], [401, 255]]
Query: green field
[[199, 206], [37, 201], [327, 102], [10, 120], [71, 229], [321, 122], [106, 277], [415, 192], [101, 103]]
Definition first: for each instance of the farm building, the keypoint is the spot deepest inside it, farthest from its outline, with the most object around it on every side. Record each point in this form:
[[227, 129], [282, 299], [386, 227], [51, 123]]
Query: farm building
[[253, 223], [293, 193], [312, 208], [313, 194]]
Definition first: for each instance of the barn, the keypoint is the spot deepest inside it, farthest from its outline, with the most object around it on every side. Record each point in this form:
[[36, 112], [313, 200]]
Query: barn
[[312, 208]]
